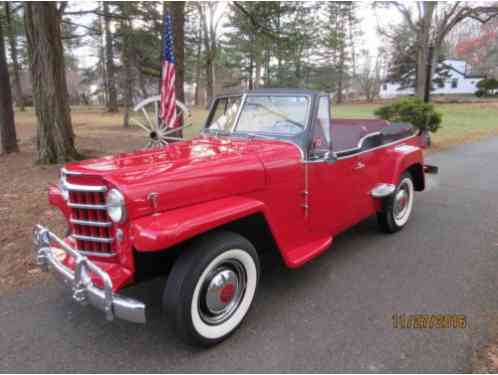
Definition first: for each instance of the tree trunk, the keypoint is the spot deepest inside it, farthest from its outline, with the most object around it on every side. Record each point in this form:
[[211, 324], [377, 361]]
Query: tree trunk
[[340, 78], [8, 139], [178, 20], [267, 68], [210, 53], [209, 39], [11, 34], [423, 41], [209, 79], [198, 67], [257, 78], [352, 41], [251, 67], [128, 71], [55, 137], [112, 103]]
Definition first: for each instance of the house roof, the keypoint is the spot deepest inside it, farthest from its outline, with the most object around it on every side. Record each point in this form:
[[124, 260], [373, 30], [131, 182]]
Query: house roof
[[451, 67]]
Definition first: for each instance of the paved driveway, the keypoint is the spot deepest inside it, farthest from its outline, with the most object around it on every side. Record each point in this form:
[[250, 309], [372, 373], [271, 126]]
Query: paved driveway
[[334, 313]]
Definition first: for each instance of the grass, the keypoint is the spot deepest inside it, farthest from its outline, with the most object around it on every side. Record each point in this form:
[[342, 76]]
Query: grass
[[461, 122]]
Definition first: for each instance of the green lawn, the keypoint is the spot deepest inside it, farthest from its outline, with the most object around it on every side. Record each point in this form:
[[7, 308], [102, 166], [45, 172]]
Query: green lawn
[[461, 122]]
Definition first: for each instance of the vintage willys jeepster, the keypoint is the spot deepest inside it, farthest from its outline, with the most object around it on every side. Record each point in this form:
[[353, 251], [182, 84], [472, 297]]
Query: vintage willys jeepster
[[270, 171]]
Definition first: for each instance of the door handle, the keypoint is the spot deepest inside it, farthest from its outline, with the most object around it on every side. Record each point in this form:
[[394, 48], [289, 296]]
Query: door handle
[[358, 166]]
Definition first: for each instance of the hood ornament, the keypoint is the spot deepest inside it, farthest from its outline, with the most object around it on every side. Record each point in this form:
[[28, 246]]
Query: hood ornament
[[153, 199]]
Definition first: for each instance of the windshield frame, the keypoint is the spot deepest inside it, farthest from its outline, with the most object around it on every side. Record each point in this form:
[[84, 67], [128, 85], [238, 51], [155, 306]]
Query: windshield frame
[[211, 113], [233, 129]]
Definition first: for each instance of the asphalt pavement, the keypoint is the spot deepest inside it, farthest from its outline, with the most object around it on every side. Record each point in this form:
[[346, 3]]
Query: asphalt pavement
[[334, 313]]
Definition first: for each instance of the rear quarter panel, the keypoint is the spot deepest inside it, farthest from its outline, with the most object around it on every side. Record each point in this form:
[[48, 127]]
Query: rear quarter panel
[[397, 158]]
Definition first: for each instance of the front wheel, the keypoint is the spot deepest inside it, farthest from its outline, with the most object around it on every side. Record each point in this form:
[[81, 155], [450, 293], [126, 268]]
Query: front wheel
[[398, 207], [211, 287]]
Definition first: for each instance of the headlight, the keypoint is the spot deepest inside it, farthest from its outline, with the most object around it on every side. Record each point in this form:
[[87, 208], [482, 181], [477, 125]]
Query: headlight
[[116, 206]]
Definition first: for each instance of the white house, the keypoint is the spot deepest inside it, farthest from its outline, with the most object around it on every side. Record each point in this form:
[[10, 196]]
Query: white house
[[459, 81]]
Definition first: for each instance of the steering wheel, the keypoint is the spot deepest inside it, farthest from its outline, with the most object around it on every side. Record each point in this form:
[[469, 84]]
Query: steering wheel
[[287, 126]]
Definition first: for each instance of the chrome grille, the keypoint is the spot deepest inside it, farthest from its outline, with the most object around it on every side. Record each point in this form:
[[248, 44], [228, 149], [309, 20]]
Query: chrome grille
[[91, 227]]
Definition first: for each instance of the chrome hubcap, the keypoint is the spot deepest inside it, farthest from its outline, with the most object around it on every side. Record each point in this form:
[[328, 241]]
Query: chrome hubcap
[[222, 292], [401, 202]]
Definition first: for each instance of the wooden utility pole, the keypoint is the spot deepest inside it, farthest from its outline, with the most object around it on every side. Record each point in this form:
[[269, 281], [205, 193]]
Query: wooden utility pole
[[428, 75]]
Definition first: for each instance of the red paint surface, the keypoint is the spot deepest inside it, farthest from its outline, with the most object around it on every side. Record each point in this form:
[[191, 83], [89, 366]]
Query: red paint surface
[[210, 181]]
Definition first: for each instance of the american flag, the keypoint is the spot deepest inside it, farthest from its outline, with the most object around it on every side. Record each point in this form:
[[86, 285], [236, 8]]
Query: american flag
[[168, 94]]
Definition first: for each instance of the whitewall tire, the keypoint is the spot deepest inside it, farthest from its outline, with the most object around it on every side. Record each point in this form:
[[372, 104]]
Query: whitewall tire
[[211, 287], [398, 207]]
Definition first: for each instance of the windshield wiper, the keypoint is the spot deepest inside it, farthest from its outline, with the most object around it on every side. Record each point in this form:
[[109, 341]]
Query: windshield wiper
[[256, 135], [278, 113]]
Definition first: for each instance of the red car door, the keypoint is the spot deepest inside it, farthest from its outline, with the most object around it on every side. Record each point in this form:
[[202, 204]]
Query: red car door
[[332, 196], [330, 192]]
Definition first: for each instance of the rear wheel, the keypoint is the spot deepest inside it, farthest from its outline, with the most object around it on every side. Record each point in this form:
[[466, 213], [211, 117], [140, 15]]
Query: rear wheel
[[398, 207], [211, 287]]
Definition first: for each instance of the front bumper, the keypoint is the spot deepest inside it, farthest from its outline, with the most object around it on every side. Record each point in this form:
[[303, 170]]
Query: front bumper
[[83, 289]]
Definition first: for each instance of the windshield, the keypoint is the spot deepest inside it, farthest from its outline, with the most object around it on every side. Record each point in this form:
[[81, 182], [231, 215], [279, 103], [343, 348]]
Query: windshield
[[273, 114]]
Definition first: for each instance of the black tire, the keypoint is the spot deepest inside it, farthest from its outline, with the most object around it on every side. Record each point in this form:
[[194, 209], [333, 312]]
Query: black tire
[[185, 298], [389, 221]]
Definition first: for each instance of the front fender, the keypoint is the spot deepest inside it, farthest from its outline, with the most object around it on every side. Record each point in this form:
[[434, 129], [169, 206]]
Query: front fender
[[165, 229], [56, 199]]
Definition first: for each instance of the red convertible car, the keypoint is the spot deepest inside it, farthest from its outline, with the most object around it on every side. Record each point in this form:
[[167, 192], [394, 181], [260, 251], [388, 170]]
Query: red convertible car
[[271, 171]]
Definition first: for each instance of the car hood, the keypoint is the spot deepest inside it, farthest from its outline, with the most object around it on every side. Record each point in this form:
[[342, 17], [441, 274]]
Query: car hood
[[183, 173]]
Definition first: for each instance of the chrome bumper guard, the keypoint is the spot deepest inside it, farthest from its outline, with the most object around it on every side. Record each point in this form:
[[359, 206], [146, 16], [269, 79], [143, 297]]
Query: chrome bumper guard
[[84, 291], [431, 177]]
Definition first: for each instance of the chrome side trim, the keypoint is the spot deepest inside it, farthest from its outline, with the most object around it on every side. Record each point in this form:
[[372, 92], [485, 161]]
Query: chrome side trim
[[84, 188], [91, 238], [70, 173], [81, 284], [88, 206], [101, 224], [339, 157]]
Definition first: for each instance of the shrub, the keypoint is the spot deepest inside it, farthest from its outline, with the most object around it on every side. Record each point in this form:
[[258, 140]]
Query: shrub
[[479, 93], [487, 87], [414, 111]]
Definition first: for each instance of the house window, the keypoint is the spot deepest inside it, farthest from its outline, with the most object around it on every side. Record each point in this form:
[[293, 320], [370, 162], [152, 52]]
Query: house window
[[454, 83], [384, 87]]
